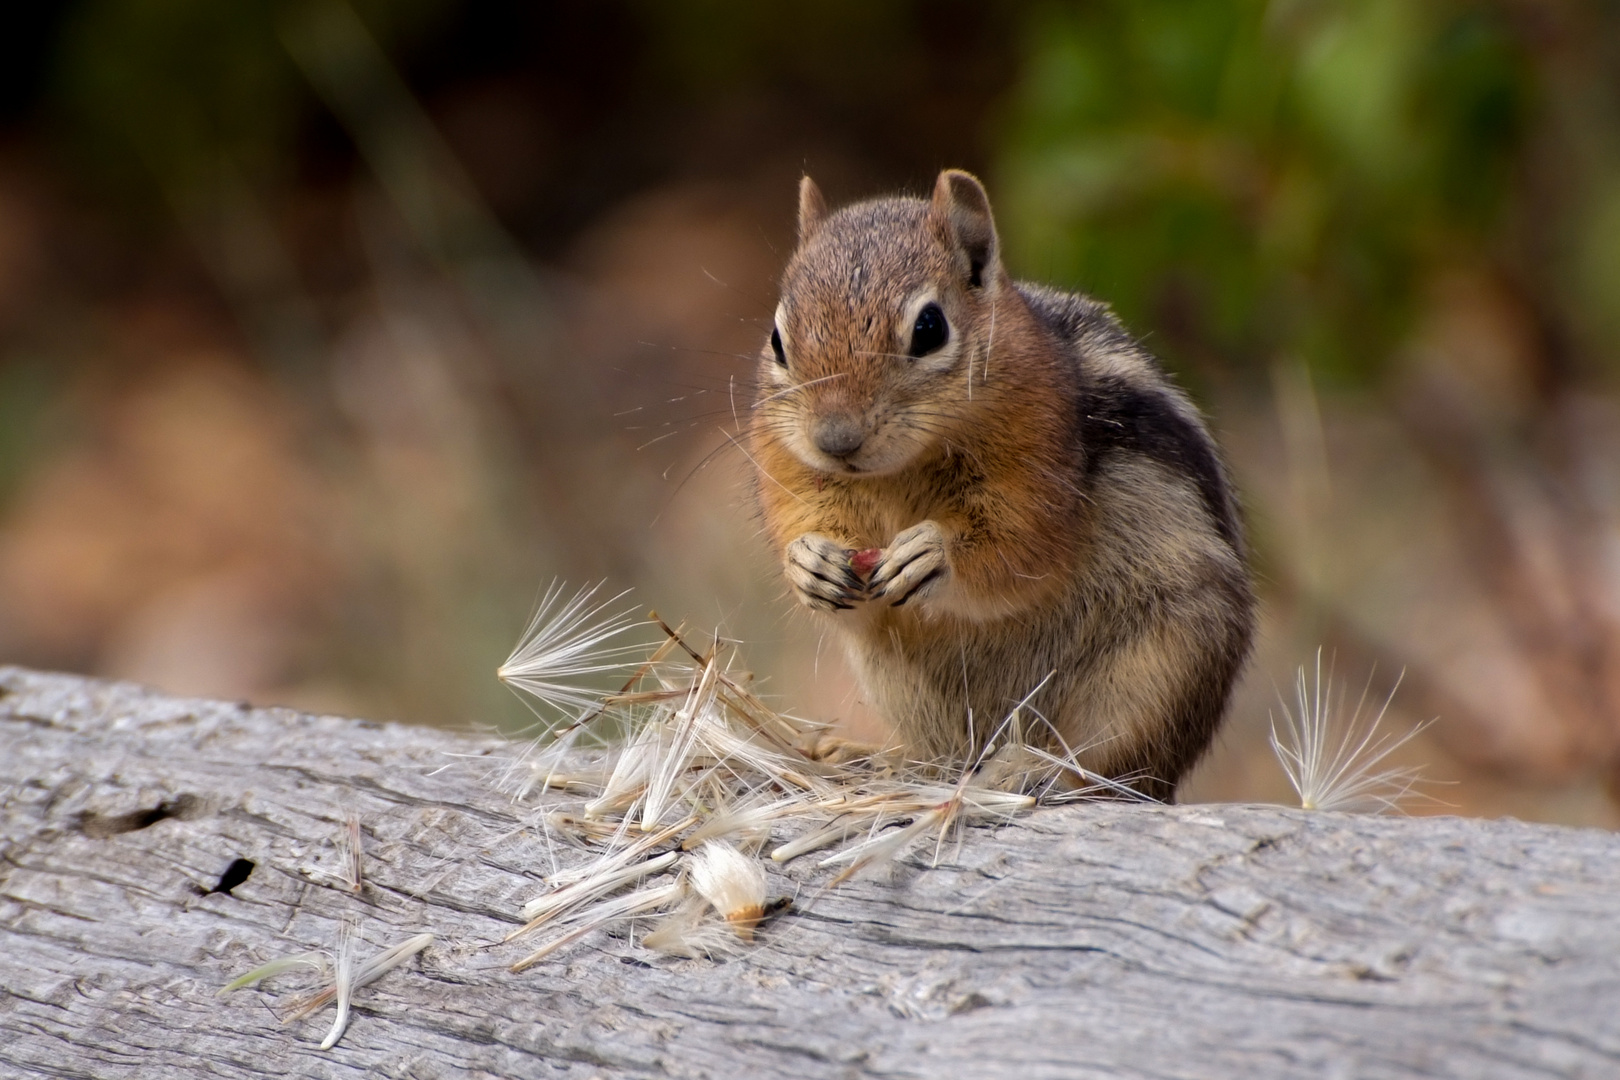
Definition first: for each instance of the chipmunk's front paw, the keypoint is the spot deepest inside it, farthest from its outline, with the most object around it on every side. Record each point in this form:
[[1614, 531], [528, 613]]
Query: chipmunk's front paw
[[914, 565], [818, 569], [837, 750]]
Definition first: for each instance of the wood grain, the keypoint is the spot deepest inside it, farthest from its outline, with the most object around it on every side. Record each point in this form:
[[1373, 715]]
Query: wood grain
[[1092, 941]]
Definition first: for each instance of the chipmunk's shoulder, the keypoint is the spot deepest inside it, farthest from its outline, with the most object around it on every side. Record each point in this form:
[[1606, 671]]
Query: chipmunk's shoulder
[[1128, 403], [1089, 331]]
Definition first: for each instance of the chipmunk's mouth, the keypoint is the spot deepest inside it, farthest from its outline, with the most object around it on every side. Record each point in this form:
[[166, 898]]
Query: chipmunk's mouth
[[841, 469], [875, 455], [868, 469], [835, 467]]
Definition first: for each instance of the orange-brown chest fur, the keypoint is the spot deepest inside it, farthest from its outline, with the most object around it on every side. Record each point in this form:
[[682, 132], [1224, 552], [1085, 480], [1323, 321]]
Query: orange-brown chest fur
[[1001, 473]]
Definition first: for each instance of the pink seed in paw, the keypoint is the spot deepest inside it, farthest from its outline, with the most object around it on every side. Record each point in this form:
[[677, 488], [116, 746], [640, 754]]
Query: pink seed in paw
[[864, 562]]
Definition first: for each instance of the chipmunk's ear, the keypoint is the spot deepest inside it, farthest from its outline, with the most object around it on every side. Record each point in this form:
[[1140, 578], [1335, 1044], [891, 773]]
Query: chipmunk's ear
[[812, 208], [961, 205]]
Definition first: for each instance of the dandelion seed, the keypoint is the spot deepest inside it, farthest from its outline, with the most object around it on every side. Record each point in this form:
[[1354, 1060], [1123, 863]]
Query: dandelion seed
[[575, 783], [884, 848], [1333, 769], [636, 763], [366, 974], [390, 958], [273, 968], [746, 756], [751, 819], [689, 931], [814, 840], [613, 860], [568, 641], [986, 802], [543, 909], [553, 766], [677, 757], [733, 883], [345, 983], [583, 829], [353, 854], [1086, 784], [347, 874], [624, 907]]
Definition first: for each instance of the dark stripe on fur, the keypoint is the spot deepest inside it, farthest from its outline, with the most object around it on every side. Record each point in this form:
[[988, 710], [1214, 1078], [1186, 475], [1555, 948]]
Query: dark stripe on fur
[[1118, 417]]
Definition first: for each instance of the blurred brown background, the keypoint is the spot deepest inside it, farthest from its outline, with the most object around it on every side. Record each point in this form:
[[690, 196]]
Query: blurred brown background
[[331, 332]]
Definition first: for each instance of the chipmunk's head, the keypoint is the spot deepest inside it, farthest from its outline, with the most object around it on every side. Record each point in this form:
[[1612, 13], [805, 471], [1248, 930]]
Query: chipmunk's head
[[886, 308]]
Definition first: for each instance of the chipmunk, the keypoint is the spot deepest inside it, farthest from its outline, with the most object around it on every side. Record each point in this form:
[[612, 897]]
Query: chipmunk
[[992, 493]]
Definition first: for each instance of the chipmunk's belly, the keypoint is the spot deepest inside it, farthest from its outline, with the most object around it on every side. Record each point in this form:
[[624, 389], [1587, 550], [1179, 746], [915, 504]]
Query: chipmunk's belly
[[946, 685]]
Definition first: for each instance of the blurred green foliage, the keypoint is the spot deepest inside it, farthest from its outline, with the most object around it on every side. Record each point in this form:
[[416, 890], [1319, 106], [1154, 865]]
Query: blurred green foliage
[[177, 82], [1264, 179], [708, 48], [1247, 179], [169, 91]]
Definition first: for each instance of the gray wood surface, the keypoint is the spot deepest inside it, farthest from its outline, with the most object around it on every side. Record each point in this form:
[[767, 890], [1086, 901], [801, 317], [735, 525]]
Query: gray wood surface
[[1095, 940]]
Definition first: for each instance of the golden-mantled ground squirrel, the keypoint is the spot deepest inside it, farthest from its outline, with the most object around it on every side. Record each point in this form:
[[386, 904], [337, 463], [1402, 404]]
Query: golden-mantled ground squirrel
[[1050, 511]]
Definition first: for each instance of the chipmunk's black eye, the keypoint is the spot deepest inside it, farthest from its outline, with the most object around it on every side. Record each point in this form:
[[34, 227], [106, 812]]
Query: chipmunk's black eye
[[929, 332], [776, 346]]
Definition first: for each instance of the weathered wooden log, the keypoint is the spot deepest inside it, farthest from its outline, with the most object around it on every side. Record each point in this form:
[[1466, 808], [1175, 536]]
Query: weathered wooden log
[[1093, 940]]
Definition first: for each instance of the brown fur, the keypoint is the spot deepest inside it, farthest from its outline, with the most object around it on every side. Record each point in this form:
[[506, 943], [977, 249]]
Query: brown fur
[[1049, 504]]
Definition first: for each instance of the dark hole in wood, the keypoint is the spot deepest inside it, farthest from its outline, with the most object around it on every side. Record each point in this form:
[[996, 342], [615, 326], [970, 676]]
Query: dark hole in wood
[[234, 875], [99, 825]]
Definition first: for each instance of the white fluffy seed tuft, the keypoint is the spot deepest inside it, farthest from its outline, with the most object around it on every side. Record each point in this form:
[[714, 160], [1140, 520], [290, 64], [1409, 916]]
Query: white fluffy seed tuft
[[733, 883], [691, 932], [1332, 760]]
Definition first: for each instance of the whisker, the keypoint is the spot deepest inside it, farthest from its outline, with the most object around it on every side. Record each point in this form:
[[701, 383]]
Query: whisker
[[695, 469], [753, 298], [763, 471], [665, 435], [750, 357], [796, 388]]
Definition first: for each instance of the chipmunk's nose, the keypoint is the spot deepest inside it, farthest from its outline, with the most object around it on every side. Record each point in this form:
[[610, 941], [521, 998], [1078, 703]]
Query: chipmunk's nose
[[839, 435]]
